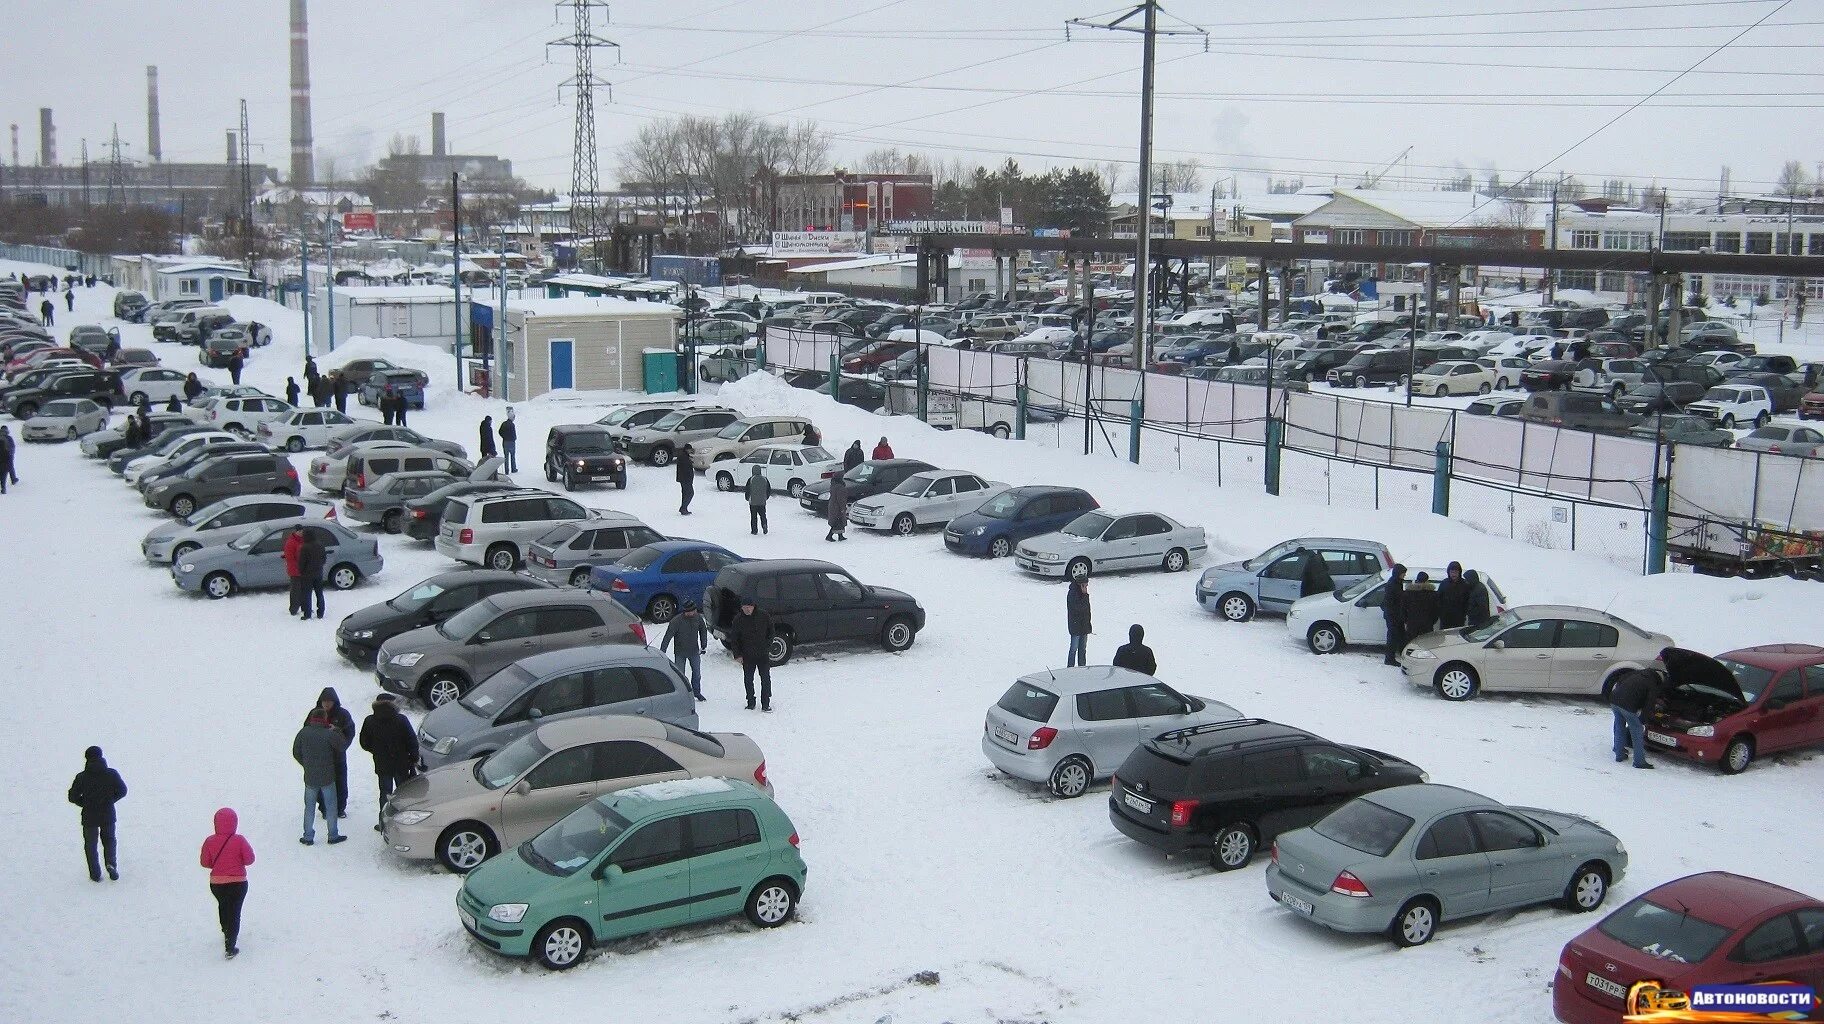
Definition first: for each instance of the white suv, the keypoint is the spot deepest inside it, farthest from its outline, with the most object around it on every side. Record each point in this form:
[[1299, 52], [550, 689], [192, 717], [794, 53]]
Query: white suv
[[242, 415], [744, 435], [495, 529], [1729, 404]]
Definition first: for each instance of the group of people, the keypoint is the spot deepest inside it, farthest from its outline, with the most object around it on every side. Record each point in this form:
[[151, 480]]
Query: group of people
[[325, 389], [1413, 608], [305, 557], [508, 432], [392, 404]]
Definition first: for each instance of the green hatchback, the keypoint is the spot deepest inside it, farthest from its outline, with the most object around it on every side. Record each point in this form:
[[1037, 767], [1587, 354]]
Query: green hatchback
[[638, 860]]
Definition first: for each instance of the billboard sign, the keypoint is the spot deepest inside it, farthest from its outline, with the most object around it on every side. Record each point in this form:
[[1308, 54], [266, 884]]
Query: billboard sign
[[358, 221], [817, 243]]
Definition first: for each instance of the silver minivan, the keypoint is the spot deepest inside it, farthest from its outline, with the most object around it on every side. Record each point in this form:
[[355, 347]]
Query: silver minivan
[[496, 529], [365, 467]]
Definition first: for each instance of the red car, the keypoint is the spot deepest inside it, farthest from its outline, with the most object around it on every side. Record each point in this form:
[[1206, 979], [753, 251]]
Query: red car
[[1730, 709], [26, 362], [872, 358], [1811, 407], [1715, 928]]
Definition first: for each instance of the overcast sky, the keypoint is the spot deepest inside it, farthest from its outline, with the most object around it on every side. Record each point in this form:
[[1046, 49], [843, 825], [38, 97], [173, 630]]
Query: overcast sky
[[1311, 88]]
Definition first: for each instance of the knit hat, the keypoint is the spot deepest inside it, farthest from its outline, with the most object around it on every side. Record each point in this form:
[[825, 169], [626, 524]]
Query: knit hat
[[92, 754]]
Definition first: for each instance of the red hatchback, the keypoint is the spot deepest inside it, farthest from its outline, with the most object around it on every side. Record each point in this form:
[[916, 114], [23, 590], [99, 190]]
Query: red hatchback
[[1735, 707], [1715, 928]]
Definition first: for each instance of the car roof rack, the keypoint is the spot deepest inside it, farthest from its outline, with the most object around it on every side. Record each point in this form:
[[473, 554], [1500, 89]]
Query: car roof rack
[[1184, 735]]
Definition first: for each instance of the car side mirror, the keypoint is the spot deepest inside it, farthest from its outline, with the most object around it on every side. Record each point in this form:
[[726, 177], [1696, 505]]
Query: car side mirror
[[609, 873], [1498, 645], [535, 714], [483, 638], [521, 788]]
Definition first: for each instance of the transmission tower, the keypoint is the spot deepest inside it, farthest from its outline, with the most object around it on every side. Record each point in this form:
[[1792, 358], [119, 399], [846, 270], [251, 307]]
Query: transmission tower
[[245, 173], [587, 220], [117, 178]]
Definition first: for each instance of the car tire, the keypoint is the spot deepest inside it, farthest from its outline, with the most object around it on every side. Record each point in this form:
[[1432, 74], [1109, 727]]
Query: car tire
[[569, 481], [70, 434], [662, 608], [218, 585], [794, 488], [1071, 778], [1737, 756], [139, 398], [1077, 569], [294, 444], [1587, 888], [661, 456], [620, 483], [1728, 422], [904, 524], [503, 557], [178, 553], [440, 688], [1360, 381], [725, 481], [579, 577], [779, 649], [1456, 682], [1000, 547], [898, 634], [1763, 419], [1484, 388], [1233, 847], [344, 576], [1002, 431], [1236, 606], [1324, 638], [464, 846], [1442, 392], [181, 506], [393, 521], [772, 903], [550, 474], [561, 944], [1176, 560], [1416, 922]]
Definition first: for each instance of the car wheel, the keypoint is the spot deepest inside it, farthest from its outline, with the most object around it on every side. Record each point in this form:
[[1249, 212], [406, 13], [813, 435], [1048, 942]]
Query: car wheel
[[178, 553], [1728, 421], [898, 634], [441, 688], [1176, 560], [138, 398], [1361, 381], [464, 845], [1762, 419], [1456, 681], [1324, 638], [1070, 778], [182, 505], [661, 456], [1415, 923], [561, 944], [1000, 548], [1232, 848], [1002, 431], [344, 577], [579, 577], [1236, 606], [1442, 392], [1737, 756], [294, 444], [794, 488], [661, 608], [904, 524], [550, 474], [503, 557], [1078, 569], [1484, 388], [393, 521], [569, 481], [725, 481], [218, 585], [779, 649], [70, 434], [1587, 888], [772, 903]]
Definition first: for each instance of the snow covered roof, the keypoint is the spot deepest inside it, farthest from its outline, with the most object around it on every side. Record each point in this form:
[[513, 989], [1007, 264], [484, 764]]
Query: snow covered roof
[[678, 789], [588, 281], [581, 306], [199, 268], [362, 294], [1258, 204], [1423, 209], [857, 263]]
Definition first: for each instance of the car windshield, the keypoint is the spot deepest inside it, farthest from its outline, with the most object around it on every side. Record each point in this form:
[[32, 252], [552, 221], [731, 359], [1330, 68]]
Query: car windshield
[[247, 540], [639, 558], [734, 430], [417, 597], [1271, 555], [913, 486], [574, 841], [669, 420], [1668, 934], [1089, 526], [1752, 679], [1365, 826], [464, 623], [1494, 628], [1028, 702], [861, 474], [1360, 587], [592, 441], [510, 762], [498, 690], [617, 417], [1003, 506], [1720, 395]]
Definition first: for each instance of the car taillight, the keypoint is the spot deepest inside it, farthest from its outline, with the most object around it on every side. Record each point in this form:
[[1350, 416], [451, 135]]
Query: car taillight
[[1041, 738], [1566, 965], [639, 630], [353, 502], [467, 536], [419, 513], [1275, 859], [793, 839], [1181, 812], [760, 775], [330, 512], [1347, 884], [619, 586], [292, 472]]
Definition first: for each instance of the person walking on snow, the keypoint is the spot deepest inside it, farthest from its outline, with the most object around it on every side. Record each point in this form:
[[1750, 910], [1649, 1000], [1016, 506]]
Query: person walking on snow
[[1134, 654], [226, 854], [752, 631], [757, 491], [96, 789], [837, 515], [852, 457], [687, 481], [47, 312], [487, 438], [313, 380], [291, 390], [688, 637], [509, 441], [1077, 621], [883, 450], [235, 365], [294, 577], [1393, 613], [329, 704], [69, 300], [316, 748], [387, 734]]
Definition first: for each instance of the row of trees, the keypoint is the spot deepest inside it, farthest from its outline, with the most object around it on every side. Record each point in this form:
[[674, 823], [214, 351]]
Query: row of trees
[[94, 228], [732, 165]]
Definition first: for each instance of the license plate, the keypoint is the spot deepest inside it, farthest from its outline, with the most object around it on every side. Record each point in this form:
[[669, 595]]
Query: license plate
[[1662, 738], [1143, 806], [1007, 736], [1606, 986], [468, 919], [1297, 904]]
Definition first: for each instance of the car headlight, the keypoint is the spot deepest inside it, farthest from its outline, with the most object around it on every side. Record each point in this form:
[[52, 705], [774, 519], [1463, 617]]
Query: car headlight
[[1424, 776], [406, 660], [410, 817], [1703, 731], [579, 463], [187, 567], [1048, 556], [362, 634], [507, 913], [445, 745], [1420, 654], [978, 531]]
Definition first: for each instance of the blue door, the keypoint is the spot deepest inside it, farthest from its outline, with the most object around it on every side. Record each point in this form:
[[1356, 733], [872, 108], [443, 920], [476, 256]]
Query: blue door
[[215, 289], [563, 369]]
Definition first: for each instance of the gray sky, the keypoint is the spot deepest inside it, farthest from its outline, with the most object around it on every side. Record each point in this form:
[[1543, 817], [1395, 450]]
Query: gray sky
[[1310, 87]]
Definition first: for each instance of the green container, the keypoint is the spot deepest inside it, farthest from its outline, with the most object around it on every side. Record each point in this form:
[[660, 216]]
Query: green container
[[660, 372]]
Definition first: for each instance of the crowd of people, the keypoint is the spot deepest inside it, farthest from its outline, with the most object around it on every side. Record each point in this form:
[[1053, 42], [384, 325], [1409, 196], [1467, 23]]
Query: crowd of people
[[1413, 608]]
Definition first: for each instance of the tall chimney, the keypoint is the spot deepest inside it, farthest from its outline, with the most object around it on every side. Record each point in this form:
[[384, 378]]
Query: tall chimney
[[153, 152], [234, 155], [437, 146], [15, 145], [301, 173], [47, 139]]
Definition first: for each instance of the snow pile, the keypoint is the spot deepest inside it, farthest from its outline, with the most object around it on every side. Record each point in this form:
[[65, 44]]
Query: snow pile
[[678, 789], [440, 366]]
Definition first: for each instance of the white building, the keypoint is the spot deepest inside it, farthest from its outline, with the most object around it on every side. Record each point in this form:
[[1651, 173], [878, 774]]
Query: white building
[[425, 314]]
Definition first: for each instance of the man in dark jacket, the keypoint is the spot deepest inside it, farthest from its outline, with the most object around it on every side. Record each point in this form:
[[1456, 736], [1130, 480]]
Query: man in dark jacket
[[338, 389], [318, 748], [1076, 619], [310, 573], [1630, 697], [753, 634], [329, 705], [47, 312], [1314, 577], [1453, 597], [401, 405], [487, 438], [235, 363], [836, 513], [291, 390], [313, 382], [1421, 601], [192, 388], [386, 405], [387, 734], [853, 456], [96, 789], [1393, 612], [1476, 611], [757, 491], [509, 441], [687, 481], [1135, 654], [7, 452]]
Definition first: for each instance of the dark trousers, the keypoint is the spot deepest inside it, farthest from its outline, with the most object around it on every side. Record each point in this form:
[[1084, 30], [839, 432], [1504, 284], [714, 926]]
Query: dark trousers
[[341, 402], [386, 415], [748, 667], [234, 374], [389, 781], [341, 790], [299, 592], [311, 587], [228, 899], [686, 491], [104, 832], [399, 413], [1396, 640], [511, 450], [756, 519]]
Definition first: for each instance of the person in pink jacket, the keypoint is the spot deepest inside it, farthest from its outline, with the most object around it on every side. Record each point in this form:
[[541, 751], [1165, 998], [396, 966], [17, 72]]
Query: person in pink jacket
[[226, 854]]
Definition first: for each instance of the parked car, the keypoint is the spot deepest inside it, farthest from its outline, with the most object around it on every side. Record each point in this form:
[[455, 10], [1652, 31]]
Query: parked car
[[580, 453], [256, 559], [1013, 515], [1714, 928], [427, 602], [930, 497], [1784, 440], [130, 306], [329, 471], [128, 358], [1373, 366], [369, 431], [1454, 378], [1740, 705], [1647, 399], [424, 516], [1104, 541], [241, 415], [469, 811], [628, 419], [596, 875], [568, 552], [213, 448], [1495, 407], [100, 386], [357, 371], [495, 529], [170, 541], [738, 438], [301, 428], [164, 442], [65, 419], [811, 602], [1223, 790], [1708, 331], [1574, 410], [109, 440], [440, 663], [659, 443], [1351, 616], [1401, 861], [865, 480], [652, 581], [1066, 728], [1535, 648], [1727, 405], [1272, 580], [382, 501], [151, 385], [224, 476], [785, 466], [407, 383], [1785, 395], [221, 347], [1683, 429], [93, 338]]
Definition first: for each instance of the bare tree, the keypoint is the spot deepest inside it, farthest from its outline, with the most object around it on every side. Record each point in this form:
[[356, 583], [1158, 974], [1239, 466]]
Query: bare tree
[[1116, 176], [1178, 176], [1792, 180]]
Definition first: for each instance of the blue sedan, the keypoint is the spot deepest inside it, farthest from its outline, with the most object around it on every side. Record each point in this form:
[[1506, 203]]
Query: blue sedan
[[654, 580], [1013, 516]]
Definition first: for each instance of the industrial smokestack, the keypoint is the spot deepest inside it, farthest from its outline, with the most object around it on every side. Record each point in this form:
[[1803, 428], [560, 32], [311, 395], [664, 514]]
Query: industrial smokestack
[[153, 152], [47, 138], [15, 145], [234, 155], [301, 173], [437, 146]]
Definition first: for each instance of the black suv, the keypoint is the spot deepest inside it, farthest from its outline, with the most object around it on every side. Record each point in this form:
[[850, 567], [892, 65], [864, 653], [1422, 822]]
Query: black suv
[[101, 385], [1375, 366], [811, 602], [865, 481], [1225, 788], [581, 453]]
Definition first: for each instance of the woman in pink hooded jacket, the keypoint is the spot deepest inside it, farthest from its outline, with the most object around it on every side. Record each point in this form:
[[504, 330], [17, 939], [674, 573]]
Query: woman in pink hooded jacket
[[226, 854]]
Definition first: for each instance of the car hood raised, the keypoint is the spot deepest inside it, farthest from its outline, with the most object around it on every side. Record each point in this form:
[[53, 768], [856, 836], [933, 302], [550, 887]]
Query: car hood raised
[[439, 786], [1689, 668]]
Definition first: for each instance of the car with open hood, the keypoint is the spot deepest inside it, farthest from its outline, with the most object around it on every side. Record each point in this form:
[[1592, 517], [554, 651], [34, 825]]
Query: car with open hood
[[1740, 705], [256, 559], [1532, 648]]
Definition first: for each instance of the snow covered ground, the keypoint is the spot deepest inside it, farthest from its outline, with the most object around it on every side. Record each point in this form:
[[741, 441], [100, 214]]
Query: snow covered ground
[[921, 858]]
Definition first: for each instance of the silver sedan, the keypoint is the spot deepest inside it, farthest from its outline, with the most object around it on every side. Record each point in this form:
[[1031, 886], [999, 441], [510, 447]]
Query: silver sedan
[[65, 420], [1104, 541]]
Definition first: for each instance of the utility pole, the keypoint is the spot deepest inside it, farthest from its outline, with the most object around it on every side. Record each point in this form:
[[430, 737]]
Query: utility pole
[[587, 220], [304, 269], [456, 268], [117, 185], [246, 188], [500, 325], [85, 174], [1551, 276]]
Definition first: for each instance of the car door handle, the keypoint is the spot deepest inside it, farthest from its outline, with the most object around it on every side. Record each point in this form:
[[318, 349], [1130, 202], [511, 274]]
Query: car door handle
[[1541, 655]]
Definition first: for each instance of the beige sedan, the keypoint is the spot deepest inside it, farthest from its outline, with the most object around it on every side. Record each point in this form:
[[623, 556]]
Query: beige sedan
[[461, 814], [1535, 648], [1454, 378]]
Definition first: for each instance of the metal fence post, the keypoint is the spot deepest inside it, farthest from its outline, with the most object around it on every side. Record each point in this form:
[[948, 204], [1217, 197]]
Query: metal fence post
[[760, 349], [1440, 481], [1656, 526], [1019, 395], [924, 391], [835, 370], [1133, 431], [1272, 460]]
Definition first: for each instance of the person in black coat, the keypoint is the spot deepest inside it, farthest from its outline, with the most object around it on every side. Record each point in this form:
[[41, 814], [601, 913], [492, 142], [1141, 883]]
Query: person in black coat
[[291, 390], [387, 734], [311, 558], [1476, 611], [1135, 654], [752, 632], [1393, 612], [687, 481], [96, 789], [173, 405], [853, 456], [1314, 577], [130, 435], [1077, 620], [399, 407], [338, 389], [509, 441], [385, 405], [235, 363], [1421, 600], [330, 704], [1453, 597], [313, 381], [1630, 697], [487, 437]]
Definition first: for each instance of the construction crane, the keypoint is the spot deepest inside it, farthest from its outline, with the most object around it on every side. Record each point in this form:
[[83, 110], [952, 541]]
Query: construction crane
[[1382, 173]]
